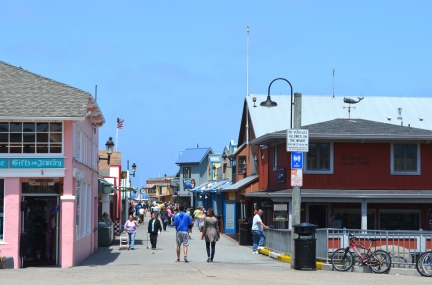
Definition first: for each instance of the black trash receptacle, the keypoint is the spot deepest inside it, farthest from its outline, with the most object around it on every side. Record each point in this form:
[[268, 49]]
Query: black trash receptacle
[[245, 234], [305, 246]]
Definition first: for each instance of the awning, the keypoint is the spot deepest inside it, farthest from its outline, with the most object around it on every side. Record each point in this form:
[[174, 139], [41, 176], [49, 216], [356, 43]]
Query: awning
[[149, 186], [240, 184], [347, 196], [104, 187], [212, 186]]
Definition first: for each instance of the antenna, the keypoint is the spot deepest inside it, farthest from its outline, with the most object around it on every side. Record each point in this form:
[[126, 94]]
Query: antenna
[[333, 76], [247, 61]]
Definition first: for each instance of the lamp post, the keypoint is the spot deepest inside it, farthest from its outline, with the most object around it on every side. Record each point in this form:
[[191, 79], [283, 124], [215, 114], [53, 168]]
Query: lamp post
[[296, 193], [109, 150], [133, 169], [214, 172], [269, 103]]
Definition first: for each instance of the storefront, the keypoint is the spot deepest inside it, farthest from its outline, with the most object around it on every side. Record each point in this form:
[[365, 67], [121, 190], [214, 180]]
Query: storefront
[[48, 170]]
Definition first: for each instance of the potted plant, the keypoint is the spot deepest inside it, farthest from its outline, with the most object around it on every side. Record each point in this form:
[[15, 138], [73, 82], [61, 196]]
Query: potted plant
[[2, 261]]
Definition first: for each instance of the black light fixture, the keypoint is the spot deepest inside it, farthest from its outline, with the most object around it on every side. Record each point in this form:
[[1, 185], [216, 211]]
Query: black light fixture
[[133, 169], [214, 171], [224, 156], [269, 103], [109, 150], [166, 180]]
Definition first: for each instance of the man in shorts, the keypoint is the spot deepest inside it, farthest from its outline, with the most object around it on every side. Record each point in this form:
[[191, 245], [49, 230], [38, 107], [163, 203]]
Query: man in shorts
[[182, 221]]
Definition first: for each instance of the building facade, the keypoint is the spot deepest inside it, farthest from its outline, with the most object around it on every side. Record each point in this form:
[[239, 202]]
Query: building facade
[[48, 175]]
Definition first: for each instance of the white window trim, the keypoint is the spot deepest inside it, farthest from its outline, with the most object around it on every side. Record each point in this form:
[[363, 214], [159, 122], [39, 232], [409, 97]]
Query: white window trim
[[79, 153], [330, 171], [393, 172]]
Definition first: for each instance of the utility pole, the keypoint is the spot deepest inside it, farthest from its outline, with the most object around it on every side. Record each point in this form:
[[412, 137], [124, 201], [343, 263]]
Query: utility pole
[[296, 193]]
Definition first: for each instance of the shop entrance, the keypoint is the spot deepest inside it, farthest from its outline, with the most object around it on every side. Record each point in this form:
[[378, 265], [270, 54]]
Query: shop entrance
[[318, 215], [39, 238]]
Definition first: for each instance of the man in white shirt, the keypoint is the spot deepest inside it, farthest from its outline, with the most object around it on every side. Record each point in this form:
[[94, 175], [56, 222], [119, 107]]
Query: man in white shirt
[[257, 232]]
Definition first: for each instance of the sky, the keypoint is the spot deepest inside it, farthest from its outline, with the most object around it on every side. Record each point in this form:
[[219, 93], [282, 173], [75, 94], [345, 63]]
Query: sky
[[175, 71]]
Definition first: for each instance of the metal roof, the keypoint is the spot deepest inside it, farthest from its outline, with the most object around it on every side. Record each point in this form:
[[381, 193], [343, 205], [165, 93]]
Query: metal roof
[[213, 186], [350, 130], [24, 94], [193, 155], [214, 158], [240, 183], [416, 111], [149, 186]]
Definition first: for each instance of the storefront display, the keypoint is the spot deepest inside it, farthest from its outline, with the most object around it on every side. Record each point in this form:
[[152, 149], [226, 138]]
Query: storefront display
[[399, 220]]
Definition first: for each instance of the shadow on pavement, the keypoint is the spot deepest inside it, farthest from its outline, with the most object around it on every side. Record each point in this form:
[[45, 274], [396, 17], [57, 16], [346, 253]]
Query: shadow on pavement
[[102, 257]]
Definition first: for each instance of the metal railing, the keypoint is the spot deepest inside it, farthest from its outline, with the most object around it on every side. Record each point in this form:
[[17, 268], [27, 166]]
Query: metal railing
[[403, 246]]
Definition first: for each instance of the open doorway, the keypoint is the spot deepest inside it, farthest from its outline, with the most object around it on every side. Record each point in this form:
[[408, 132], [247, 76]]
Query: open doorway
[[39, 239], [318, 215]]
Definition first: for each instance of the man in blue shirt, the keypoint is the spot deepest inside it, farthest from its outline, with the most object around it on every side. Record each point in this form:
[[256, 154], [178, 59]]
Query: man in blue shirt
[[182, 221]]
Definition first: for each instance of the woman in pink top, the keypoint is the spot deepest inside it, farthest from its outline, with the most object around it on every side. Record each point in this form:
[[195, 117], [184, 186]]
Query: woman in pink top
[[170, 214], [130, 226]]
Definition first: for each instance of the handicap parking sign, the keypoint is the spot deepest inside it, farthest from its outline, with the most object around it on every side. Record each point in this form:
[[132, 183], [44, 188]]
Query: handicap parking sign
[[296, 160]]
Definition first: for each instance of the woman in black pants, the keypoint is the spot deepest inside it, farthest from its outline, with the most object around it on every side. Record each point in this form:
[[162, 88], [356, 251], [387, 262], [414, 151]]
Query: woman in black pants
[[154, 228], [164, 217], [211, 234]]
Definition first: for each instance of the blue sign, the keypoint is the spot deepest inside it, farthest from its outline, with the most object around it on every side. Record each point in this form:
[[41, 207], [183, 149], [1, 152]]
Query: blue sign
[[188, 183], [36, 163], [296, 160], [3, 163]]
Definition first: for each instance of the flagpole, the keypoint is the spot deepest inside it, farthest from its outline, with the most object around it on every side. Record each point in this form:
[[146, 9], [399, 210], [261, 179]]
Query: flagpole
[[116, 134]]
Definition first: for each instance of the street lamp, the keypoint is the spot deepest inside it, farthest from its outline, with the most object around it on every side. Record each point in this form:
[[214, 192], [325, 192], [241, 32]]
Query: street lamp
[[109, 150], [214, 171], [269, 103], [133, 169]]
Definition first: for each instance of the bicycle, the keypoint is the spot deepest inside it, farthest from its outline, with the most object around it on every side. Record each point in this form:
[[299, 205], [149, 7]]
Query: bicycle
[[424, 264], [378, 261]]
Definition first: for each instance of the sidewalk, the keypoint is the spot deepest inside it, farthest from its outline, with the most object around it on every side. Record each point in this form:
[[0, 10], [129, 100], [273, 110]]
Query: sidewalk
[[227, 251]]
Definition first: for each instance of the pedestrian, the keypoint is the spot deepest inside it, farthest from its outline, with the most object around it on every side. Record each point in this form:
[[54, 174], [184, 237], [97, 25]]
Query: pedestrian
[[170, 215], [258, 232], [164, 217], [130, 226], [201, 217], [195, 214], [182, 221], [141, 215], [211, 233], [146, 205], [155, 209], [190, 227], [154, 229]]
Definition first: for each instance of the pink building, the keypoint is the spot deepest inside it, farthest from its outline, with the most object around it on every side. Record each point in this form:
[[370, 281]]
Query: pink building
[[48, 170]]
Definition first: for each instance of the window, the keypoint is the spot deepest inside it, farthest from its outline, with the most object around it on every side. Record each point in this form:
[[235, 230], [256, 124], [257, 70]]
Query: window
[[79, 145], [405, 159], [83, 209], [399, 220], [26, 137], [242, 164], [186, 172], [275, 158], [78, 210], [234, 166], [2, 196], [319, 159], [351, 218]]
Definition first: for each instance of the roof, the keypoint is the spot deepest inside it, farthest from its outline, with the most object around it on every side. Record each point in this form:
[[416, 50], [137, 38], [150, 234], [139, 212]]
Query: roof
[[193, 155], [24, 94], [214, 158], [213, 186], [240, 183], [354, 129], [342, 195], [238, 150], [416, 111], [149, 186]]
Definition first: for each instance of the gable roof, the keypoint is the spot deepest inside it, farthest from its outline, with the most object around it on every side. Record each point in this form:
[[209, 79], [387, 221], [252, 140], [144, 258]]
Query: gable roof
[[354, 129], [193, 155], [24, 94], [416, 111]]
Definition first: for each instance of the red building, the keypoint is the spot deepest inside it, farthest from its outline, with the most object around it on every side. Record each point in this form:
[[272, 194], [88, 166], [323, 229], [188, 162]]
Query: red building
[[370, 175]]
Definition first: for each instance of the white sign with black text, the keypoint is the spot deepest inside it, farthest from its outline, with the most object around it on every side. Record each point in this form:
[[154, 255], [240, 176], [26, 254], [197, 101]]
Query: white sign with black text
[[297, 140]]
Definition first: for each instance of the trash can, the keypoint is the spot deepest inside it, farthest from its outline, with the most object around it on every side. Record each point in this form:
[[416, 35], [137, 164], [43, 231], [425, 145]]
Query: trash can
[[305, 246], [245, 234]]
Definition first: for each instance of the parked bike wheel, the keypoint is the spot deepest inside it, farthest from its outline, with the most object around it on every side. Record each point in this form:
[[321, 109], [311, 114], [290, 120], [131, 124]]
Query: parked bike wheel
[[342, 259], [379, 261], [424, 264]]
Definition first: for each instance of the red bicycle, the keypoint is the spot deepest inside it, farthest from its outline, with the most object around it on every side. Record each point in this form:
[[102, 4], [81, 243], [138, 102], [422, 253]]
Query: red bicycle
[[378, 261]]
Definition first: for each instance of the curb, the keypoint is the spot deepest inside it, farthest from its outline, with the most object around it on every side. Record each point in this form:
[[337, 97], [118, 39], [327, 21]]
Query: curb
[[284, 257]]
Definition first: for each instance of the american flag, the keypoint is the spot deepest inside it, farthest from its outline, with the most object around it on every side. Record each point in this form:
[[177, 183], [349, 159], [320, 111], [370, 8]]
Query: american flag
[[120, 123]]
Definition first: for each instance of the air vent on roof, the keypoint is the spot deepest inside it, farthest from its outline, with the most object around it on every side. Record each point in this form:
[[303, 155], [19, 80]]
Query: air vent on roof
[[420, 118], [389, 118]]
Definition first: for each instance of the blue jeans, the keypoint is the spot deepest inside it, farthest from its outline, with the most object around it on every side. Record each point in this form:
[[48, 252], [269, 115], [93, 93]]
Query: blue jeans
[[258, 239], [132, 239]]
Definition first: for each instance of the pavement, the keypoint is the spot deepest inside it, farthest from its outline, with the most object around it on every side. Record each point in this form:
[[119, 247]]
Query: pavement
[[233, 264]]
